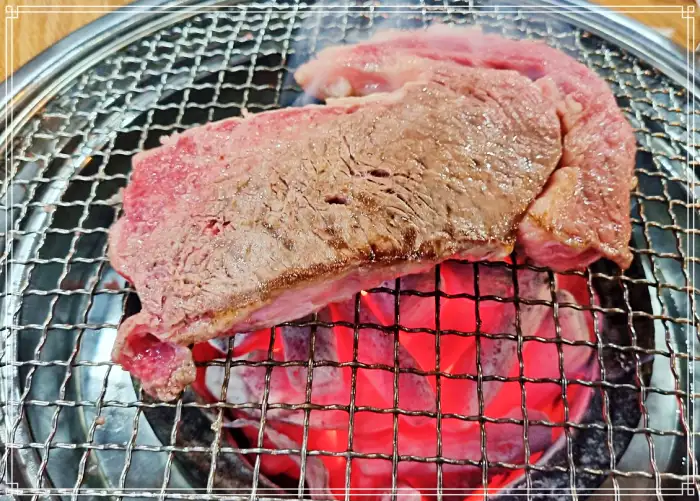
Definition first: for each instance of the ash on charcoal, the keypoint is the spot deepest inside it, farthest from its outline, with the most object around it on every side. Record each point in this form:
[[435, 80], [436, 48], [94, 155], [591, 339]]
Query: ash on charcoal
[[194, 430], [590, 448]]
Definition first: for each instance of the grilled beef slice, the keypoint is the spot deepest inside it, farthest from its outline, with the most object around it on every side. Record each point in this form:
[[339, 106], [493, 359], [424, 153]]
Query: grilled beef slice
[[583, 214], [249, 222]]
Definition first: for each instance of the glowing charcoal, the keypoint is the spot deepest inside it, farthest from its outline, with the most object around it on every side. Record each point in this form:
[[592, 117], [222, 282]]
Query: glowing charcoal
[[488, 327]]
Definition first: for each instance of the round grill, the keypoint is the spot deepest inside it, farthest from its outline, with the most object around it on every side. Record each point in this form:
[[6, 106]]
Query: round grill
[[75, 424]]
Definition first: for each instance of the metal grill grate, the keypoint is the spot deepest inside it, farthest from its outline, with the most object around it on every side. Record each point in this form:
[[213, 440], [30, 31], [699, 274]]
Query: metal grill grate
[[74, 422]]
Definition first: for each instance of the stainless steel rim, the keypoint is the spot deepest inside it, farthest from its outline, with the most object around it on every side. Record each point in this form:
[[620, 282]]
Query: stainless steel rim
[[121, 28], [42, 77]]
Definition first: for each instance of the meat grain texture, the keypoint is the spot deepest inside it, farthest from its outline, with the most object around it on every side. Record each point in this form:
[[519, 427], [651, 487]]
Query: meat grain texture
[[583, 214], [248, 222]]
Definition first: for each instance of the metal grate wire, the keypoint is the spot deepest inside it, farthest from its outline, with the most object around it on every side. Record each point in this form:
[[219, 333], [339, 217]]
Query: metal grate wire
[[65, 398]]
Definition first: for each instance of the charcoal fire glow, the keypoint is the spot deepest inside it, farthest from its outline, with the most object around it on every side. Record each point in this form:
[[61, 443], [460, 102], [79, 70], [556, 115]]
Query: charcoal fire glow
[[501, 396]]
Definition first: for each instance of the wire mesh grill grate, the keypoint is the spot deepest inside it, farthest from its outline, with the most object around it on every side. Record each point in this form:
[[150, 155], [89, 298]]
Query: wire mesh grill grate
[[77, 418]]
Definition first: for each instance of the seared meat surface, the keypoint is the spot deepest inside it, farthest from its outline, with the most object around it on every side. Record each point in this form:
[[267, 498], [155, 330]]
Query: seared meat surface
[[583, 214], [246, 223]]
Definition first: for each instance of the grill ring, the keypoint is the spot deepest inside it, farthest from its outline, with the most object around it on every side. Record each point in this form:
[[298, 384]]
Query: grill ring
[[662, 234]]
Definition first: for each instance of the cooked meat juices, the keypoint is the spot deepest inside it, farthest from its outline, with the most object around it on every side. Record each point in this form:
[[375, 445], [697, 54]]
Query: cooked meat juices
[[583, 214], [245, 223]]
